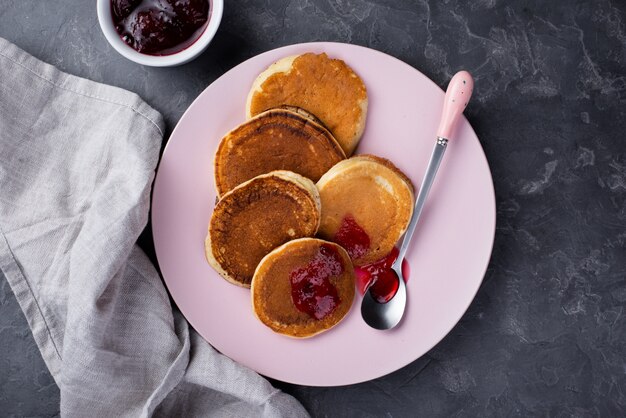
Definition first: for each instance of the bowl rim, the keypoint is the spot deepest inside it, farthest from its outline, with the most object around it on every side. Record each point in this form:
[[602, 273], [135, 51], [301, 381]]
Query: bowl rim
[[105, 19]]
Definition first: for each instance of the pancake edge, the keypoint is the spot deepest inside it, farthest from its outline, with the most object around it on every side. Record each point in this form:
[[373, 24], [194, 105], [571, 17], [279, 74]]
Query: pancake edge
[[276, 251], [354, 162], [292, 111], [284, 65], [350, 163], [300, 181]]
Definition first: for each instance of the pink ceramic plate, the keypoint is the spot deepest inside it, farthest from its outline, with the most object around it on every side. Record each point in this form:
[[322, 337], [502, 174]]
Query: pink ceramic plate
[[448, 256]]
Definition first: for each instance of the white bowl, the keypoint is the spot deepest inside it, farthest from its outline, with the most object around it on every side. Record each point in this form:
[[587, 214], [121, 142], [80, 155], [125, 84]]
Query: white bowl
[[186, 55]]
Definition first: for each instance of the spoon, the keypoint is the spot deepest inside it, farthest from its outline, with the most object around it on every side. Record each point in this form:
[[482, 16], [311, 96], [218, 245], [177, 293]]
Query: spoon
[[388, 315]]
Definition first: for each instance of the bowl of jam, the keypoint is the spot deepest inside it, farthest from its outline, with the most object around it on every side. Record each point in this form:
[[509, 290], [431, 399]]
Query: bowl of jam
[[159, 33]]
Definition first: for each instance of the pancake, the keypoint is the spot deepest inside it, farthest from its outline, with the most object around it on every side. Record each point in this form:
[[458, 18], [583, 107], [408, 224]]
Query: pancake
[[278, 139], [303, 287], [367, 204], [256, 217], [326, 87]]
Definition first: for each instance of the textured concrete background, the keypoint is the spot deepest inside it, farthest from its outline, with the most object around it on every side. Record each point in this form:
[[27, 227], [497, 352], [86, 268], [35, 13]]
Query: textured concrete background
[[546, 333]]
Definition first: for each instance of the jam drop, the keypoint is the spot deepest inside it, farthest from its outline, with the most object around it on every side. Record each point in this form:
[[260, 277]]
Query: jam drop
[[384, 286], [311, 289], [159, 27], [352, 237], [383, 280]]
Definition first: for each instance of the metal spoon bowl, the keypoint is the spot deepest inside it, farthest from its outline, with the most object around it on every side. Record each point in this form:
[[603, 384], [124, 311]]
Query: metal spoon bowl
[[386, 315]]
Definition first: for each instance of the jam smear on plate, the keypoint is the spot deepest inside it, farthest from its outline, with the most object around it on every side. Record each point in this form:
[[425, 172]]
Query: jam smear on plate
[[160, 27], [383, 280], [311, 289], [352, 237]]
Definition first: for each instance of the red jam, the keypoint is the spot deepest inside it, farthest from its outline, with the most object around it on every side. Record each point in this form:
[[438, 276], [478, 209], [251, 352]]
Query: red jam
[[383, 280], [311, 289], [160, 27], [352, 237]]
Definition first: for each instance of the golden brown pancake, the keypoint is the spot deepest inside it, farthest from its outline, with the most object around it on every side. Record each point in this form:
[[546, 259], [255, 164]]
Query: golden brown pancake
[[303, 287], [367, 204], [277, 139], [256, 217], [326, 87]]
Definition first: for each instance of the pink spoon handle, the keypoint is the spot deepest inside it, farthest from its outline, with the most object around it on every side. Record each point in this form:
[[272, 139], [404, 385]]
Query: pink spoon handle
[[457, 97]]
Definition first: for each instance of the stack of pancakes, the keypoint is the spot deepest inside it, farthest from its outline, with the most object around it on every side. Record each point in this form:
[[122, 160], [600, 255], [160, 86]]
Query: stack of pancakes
[[306, 115]]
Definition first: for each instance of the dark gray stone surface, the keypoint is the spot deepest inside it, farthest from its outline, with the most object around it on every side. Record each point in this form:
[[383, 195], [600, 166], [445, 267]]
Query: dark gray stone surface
[[546, 334]]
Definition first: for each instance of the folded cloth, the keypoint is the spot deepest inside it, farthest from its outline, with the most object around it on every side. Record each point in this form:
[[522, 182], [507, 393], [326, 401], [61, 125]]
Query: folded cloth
[[77, 161]]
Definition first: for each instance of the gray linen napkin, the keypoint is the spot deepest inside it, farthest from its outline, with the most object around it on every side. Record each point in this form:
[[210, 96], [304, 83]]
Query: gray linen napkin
[[77, 160]]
